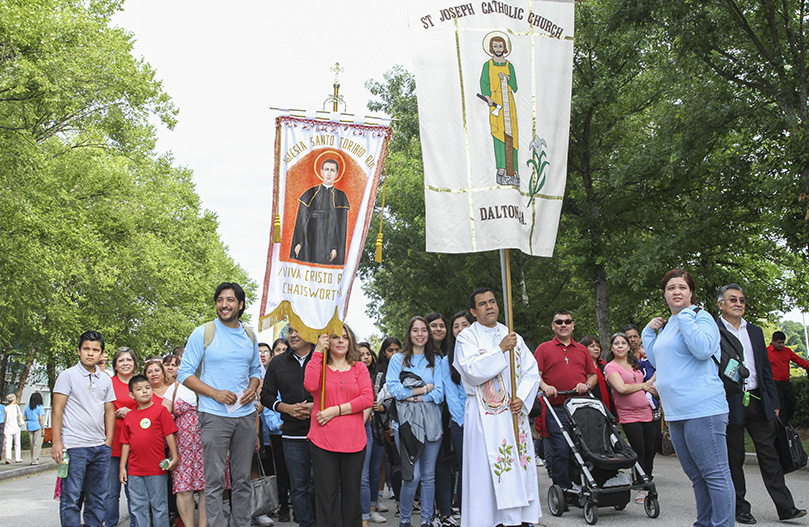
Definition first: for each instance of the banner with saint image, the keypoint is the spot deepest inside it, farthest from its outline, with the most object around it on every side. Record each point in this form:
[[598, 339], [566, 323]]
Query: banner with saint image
[[326, 178], [494, 86]]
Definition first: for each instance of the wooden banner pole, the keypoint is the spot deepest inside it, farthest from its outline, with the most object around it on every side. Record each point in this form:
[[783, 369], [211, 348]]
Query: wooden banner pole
[[506, 263]]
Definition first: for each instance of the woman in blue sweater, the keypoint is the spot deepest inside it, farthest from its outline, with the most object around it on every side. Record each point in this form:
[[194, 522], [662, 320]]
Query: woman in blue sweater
[[415, 380], [681, 349]]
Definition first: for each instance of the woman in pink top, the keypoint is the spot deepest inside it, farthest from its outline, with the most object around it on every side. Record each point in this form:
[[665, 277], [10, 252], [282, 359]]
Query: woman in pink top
[[337, 432], [629, 391]]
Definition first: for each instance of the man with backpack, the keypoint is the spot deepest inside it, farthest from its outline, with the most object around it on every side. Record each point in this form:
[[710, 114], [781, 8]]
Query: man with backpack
[[222, 366]]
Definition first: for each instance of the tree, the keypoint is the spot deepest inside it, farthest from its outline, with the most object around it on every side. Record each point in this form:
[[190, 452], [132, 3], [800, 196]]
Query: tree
[[96, 230], [760, 50], [661, 174]]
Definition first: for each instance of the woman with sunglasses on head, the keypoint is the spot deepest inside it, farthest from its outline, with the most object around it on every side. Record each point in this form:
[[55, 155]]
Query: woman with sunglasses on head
[[682, 349], [415, 380], [624, 375], [337, 439]]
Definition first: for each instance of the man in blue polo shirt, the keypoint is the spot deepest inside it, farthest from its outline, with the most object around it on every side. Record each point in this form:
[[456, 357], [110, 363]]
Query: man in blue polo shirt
[[221, 364]]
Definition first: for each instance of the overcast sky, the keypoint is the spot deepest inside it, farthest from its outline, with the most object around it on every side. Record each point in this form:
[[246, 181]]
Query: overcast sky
[[226, 64]]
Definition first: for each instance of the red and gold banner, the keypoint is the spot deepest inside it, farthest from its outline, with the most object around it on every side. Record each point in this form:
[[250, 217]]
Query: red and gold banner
[[327, 174]]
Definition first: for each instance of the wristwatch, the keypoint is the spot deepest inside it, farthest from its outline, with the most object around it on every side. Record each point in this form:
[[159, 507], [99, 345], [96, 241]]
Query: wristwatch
[[588, 385]]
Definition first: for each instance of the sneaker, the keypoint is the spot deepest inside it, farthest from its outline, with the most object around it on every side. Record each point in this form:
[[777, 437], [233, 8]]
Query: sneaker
[[377, 518], [397, 508], [450, 521], [641, 497], [283, 515], [416, 505], [540, 462], [435, 521], [381, 508], [263, 520]]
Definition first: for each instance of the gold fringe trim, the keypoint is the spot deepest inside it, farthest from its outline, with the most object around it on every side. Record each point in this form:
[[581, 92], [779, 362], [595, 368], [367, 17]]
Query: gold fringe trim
[[276, 229], [378, 254], [308, 334]]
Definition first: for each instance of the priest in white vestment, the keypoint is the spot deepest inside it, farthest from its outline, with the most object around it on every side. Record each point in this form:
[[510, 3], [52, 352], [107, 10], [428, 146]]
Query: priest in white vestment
[[510, 494]]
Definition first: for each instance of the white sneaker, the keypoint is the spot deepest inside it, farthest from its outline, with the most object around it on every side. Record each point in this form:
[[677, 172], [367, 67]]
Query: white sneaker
[[263, 520], [540, 462], [381, 508], [377, 518]]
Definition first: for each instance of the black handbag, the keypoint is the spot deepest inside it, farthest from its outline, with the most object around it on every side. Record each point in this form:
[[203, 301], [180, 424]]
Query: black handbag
[[789, 447]]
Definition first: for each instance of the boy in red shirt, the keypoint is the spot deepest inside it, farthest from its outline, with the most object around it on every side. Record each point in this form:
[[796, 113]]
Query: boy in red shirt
[[142, 447]]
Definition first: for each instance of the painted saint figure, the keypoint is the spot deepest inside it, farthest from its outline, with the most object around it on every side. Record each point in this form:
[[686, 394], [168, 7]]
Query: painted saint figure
[[320, 227], [498, 83]]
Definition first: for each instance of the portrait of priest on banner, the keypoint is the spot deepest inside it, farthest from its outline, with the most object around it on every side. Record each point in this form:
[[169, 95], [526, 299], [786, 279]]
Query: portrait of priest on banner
[[321, 223]]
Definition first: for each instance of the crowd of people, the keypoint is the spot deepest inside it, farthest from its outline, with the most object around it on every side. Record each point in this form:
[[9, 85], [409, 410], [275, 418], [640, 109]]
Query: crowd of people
[[427, 417]]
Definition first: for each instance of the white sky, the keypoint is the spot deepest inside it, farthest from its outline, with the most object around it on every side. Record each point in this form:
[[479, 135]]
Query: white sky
[[226, 64]]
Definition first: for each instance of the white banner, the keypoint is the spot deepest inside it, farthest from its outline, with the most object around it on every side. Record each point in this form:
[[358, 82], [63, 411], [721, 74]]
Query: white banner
[[494, 86], [327, 175]]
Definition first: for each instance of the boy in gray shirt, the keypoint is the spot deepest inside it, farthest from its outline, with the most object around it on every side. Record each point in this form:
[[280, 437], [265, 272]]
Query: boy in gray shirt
[[83, 424]]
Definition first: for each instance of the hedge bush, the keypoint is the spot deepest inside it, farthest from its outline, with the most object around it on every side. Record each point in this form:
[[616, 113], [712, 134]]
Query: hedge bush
[[801, 418]]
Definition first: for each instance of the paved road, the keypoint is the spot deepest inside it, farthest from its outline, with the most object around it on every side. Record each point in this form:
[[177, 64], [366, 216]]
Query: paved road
[[28, 501]]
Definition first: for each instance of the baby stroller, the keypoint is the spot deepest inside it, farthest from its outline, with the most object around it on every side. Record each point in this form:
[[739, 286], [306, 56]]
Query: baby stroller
[[599, 451]]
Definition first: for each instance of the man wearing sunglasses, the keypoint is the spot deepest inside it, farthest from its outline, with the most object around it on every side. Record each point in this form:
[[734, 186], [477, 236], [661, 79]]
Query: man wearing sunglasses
[[754, 409], [564, 364]]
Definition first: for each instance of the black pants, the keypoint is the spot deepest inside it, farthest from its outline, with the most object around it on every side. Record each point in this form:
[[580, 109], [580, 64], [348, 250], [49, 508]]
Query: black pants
[[338, 476], [786, 396], [641, 438], [762, 432]]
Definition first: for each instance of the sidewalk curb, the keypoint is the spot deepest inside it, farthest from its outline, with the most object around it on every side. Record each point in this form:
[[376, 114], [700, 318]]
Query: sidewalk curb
[[27, 470]]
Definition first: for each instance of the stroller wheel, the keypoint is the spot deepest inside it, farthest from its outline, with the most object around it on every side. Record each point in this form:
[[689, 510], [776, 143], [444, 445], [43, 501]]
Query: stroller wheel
[[590, 513], [620, 507], [651, 506], [556, 500]]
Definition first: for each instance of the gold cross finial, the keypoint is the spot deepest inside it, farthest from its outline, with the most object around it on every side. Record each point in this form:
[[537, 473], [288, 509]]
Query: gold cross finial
[[337, 70]]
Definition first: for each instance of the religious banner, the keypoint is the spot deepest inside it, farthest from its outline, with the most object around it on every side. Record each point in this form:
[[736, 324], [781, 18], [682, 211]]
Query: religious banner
[[494, 85], [326, 178]]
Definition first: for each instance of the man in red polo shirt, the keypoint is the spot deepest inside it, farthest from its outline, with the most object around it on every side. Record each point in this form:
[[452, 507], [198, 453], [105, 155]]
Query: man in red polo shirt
[[780, 357], [564, 364]]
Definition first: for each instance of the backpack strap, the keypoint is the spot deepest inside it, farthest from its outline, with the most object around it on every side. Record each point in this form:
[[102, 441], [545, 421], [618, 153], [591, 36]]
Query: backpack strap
[[208, 336]]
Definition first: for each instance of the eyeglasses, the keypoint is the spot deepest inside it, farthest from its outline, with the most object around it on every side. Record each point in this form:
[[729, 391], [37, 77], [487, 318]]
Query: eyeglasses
[[734, 300], [563, 322]]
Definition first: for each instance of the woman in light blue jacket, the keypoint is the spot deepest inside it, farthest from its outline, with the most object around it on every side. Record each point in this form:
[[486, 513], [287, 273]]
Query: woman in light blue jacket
[[693, 397]]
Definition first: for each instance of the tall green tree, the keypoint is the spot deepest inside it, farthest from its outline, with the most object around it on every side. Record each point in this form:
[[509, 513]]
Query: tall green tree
[[660, 175], [96, 230]]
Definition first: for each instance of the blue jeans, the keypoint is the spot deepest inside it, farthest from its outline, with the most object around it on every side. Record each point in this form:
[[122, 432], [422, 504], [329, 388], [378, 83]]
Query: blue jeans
[[369, 485], [87, 473], [301, 484], [150, 492], [114, 494], [424, 473], [557, 451], [701, 447], [456, 432]]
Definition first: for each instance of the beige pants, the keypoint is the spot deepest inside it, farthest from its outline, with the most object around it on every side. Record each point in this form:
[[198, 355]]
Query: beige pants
[[36, 445]]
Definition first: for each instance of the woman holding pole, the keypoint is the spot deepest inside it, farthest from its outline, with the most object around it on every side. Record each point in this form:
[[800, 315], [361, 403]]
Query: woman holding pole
[[337, 431]]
